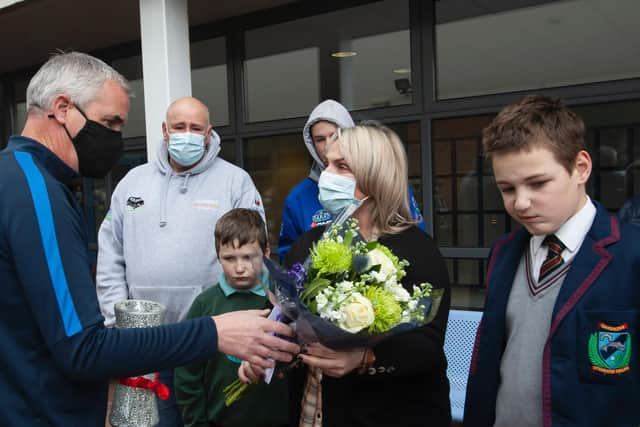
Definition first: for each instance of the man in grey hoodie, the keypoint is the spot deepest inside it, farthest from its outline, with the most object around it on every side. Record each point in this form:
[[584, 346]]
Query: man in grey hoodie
[[302, 209], [156, 242]]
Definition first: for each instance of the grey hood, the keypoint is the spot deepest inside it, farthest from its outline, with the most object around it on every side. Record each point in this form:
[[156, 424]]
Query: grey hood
[[162, 163], [329, 111]]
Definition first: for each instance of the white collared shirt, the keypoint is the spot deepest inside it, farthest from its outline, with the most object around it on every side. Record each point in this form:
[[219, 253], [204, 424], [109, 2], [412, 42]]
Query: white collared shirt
[[571, 233]]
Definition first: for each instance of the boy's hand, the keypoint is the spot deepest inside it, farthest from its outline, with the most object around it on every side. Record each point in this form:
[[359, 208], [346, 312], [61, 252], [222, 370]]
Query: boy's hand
[[249, 373], [248, 336]]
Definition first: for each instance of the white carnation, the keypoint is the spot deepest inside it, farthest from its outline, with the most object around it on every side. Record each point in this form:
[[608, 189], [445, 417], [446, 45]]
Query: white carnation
[[344, 286], [321, 301], [399, 293]]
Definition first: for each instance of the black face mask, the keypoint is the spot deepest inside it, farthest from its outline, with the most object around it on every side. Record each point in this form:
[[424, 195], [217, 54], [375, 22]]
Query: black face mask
[[98, 148]]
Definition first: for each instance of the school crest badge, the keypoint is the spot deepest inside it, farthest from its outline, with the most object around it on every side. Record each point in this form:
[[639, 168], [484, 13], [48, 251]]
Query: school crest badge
[[610, 349]]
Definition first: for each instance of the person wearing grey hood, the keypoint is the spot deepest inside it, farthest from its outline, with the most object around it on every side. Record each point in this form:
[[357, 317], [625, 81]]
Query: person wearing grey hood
[[157, 240], [302, 209]]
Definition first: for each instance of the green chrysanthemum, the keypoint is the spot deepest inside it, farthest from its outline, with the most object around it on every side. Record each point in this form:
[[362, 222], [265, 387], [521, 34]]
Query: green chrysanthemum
[[331, 257], [386, 309]]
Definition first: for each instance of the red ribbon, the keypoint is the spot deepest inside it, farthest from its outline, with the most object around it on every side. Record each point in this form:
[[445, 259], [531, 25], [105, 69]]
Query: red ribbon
[[161, 390]]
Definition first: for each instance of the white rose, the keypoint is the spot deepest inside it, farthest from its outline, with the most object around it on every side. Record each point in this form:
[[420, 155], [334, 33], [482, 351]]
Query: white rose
[[377, 257], [357, 314]]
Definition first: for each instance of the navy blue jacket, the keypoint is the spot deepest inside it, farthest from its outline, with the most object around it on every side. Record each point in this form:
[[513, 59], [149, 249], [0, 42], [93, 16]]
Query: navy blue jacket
[[56, 356], [599, 303], [303, 211]]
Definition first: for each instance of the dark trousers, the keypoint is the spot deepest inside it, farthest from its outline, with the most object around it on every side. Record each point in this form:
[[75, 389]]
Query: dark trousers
[[168, 411]]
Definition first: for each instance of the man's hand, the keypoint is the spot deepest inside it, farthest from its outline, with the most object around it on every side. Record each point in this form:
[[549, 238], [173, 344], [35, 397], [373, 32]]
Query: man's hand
[[332, 363], [247, 335]]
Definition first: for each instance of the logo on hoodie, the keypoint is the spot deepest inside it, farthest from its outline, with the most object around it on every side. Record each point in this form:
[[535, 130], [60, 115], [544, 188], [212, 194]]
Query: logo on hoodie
[[320, 217], [134, 203], [206, 205]]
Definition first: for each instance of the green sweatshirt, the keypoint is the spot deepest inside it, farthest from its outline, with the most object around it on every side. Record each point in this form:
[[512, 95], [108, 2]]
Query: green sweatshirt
[[199, 386]]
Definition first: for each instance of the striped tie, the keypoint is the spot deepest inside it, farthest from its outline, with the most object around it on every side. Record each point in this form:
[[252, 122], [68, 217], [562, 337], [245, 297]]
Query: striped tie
[[554, 260]]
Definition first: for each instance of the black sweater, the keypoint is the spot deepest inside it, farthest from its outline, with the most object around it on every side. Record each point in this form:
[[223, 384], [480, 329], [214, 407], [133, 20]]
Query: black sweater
[[416, 391]]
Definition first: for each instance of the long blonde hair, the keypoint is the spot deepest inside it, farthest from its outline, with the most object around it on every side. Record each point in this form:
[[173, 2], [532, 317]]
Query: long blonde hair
[[378, 161]]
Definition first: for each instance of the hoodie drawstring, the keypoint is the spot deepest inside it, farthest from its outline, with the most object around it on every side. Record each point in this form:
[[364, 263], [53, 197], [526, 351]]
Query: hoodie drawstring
[[163, 201], [183, 187]]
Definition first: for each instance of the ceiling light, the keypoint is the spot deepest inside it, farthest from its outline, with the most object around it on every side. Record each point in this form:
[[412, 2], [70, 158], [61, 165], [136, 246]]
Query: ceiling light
[[402, 70], [344, 54]]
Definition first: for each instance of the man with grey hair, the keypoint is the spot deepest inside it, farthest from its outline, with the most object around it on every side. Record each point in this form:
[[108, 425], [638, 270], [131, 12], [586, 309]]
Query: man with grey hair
[[56, 353]]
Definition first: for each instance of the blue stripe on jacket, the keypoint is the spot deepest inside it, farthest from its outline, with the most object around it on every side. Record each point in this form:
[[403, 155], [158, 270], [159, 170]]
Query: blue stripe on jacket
[[42, 205]]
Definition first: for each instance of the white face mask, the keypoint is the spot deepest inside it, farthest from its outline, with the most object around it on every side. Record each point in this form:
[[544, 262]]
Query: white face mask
[[337, 192], [186, 148]]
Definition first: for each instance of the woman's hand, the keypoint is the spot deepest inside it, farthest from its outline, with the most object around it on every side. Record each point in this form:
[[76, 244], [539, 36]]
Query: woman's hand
[[249, 373], [332, 363]]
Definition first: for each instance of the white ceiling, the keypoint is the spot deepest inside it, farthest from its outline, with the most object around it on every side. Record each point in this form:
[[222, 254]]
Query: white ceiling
[[33, 29]]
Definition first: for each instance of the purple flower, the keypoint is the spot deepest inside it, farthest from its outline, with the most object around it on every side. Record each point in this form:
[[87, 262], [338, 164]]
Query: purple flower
[[298, 275]]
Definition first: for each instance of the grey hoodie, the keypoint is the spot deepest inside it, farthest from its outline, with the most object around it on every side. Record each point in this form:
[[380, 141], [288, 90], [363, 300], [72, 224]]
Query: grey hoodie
[[156, 242], [329, 111]]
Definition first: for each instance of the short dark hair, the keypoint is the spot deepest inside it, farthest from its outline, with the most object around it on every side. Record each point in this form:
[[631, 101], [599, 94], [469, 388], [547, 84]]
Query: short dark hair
[[518, 127], [243, 225]]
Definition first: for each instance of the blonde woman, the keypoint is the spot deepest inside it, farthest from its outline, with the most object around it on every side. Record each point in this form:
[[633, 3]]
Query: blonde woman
[[402, 381]]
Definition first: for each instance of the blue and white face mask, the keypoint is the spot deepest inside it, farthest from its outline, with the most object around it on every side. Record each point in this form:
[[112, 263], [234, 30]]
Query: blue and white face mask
[[337, 193], [186, 148]]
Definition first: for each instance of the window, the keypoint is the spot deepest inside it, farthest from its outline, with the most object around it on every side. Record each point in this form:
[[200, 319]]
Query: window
[[409, 134], [468, 210], [209, 78], [131, 69], [228, 151], [276, 164], [359, 56], [19, 107], [613, 140], [498, 47]]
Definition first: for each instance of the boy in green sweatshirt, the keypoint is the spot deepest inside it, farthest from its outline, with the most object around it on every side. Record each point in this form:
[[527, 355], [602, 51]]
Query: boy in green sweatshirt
[[241, 242]]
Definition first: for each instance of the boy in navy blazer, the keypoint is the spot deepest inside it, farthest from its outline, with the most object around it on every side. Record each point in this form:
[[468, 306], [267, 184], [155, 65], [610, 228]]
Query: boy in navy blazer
[[558, 343]]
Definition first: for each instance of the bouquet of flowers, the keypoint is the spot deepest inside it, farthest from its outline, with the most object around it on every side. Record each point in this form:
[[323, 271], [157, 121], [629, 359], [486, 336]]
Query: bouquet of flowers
[[348, 294]]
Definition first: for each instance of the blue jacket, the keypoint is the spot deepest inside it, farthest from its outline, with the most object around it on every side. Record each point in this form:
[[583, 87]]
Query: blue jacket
[[600, 297], [56, 354], [303, 211]]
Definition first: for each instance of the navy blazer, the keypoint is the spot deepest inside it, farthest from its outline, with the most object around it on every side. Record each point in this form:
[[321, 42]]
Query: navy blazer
[[590, 370]]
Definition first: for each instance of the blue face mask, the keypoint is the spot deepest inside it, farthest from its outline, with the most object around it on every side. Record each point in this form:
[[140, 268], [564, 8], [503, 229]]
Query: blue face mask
[[337, 192], [186, 148]]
